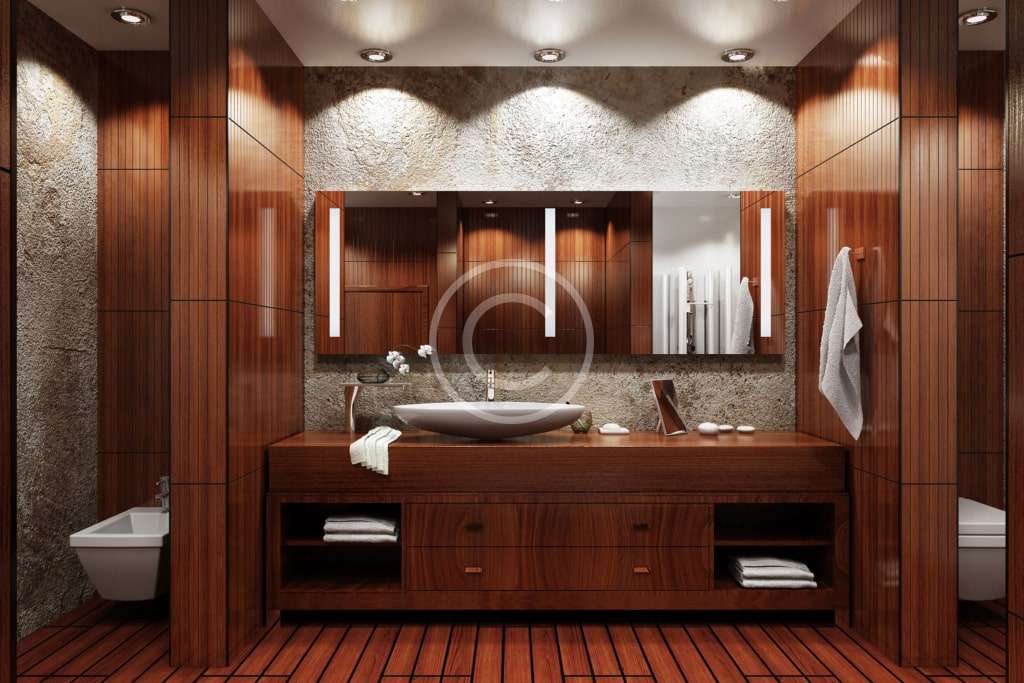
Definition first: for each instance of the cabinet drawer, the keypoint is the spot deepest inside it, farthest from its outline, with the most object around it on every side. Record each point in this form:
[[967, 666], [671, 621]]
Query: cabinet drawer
[[558, 525], [559, 569]]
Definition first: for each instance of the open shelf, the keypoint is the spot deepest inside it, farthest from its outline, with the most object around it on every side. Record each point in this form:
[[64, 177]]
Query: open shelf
[[746, 541], [774, 524]]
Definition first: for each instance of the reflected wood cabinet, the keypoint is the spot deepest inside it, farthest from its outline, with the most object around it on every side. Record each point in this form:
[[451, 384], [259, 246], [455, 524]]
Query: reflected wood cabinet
[[546, 272]]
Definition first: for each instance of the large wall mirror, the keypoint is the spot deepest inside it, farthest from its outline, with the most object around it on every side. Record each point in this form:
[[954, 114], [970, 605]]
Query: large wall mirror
[[550, 272]]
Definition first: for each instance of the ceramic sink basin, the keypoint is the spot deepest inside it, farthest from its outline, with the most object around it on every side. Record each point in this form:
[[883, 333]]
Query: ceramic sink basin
[[489, 421]]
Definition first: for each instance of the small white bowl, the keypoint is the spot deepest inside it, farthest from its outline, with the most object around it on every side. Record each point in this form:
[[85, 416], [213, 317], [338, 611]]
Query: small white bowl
[[745, 429], [725, 429]]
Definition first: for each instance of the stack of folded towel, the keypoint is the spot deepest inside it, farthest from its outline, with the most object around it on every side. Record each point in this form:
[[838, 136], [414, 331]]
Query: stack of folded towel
[[360, 529], [771, 572]]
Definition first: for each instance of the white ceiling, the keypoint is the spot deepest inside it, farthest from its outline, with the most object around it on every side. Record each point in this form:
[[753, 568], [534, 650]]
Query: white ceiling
[[506, 32]]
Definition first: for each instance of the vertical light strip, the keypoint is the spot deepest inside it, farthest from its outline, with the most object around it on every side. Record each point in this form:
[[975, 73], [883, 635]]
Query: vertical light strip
[[268, 270], [766, 272], [549, 272], [334, 273], [684, 310]]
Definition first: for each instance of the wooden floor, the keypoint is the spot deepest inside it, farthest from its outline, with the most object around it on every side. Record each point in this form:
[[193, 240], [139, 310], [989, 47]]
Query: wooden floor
[[98, 642]]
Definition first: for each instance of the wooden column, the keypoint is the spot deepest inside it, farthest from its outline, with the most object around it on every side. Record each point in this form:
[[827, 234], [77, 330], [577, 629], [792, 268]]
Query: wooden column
[[236, 309], [8, 625]]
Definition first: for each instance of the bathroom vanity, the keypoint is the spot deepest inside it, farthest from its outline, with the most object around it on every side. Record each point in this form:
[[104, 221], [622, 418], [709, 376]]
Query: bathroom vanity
[[559, 521]]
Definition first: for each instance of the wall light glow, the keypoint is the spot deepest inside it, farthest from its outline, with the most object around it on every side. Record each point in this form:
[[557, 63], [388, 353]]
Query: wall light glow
[[334, 274]]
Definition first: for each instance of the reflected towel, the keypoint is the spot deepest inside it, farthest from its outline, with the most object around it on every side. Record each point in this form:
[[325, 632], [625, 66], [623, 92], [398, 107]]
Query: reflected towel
[[777, 583], [371, 451], [772, 573], [361, 538], [359, 524], [742, 320], [839, 367]]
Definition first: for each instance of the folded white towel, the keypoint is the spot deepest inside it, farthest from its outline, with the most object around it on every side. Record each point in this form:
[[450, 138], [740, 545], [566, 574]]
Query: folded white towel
[[359, 525], [777, 583], [763, 561], [371, 451], [839, 362], [613, 428], [361, 538], [742, 320], [771, 573]]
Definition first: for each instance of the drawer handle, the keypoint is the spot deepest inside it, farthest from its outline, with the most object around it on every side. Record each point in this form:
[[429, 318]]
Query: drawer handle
[[641, 569], [641, 526], [474, 570], [474, 526]]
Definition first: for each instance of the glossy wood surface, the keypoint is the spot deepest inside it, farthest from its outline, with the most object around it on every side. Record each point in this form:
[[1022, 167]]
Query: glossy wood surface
[[133, 124], [558, 649], [1015, 330], [981, 93], [750, 264], [981, 240], [323, 202], [875, 570], [199, 58]]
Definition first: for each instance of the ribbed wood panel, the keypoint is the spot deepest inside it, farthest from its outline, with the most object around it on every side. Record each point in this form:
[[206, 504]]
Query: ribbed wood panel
[[928, 57], [198, 391], [1015, 132], [878, 449], [7, 60], [133, 110], [928, 212], [132, 240], [128, 480], [981, 239], [982, 477], [980, 386], [876, 560], [244, 576], [265, 390], [264, 234], [132, 368], [199, 57], [928, 564], [322, 203], [852, 200], [981, 97], [848, 86], [8, 453], [265, 94], [199, 587], [199, 204], [1015, 423], [928, 391]]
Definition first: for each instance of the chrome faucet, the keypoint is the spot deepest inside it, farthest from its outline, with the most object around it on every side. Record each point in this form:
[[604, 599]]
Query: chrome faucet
[[490, 385], [163, 493]]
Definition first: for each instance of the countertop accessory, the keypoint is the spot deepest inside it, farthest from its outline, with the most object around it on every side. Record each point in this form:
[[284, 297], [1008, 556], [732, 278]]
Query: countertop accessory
[[745, 429], [612, 428], [373, 376], [709, 428], [583, 423], [670, 422], [725, 429]]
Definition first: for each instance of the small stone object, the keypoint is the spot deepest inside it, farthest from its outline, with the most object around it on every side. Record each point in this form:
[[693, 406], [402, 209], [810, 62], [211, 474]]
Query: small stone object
[[745, 429], [707, 428], [725, 429], [583, 423]]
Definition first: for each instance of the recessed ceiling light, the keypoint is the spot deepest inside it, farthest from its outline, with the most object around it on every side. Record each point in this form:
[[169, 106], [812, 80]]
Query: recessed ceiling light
[[132, 17], [489, 202], [734, 195], [737, 54], [549, 55], [416, 194], [976, 17], [577, 202], [377, 55]]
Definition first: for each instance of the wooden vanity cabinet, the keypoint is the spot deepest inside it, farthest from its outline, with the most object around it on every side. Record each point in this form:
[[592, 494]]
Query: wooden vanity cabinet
[[547, 546]]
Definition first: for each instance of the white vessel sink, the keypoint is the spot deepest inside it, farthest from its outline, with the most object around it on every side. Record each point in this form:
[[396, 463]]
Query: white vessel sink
[[489, 420]]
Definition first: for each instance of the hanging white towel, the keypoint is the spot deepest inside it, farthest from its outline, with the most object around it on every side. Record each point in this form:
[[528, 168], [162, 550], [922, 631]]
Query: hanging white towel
[[743, 320], [371, 451], [839, 369]]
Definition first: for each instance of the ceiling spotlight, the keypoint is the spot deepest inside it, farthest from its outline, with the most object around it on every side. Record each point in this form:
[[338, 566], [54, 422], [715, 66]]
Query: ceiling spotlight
[[416, 194], [734, 195], [489, 202], [737, 54], [976, 17], [577, 202], [132, 17], [376, 55], [549, 55]]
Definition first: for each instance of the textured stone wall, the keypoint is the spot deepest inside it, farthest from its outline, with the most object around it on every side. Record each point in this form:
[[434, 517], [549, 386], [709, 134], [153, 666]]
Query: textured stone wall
[[56, 373], [558, 129]]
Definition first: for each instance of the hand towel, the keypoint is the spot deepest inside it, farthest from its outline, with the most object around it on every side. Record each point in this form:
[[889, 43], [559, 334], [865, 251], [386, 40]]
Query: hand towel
[[358, 524], [771, 573], [839, 368], [371, 451], [777, 583], [763, 561], [361, 538], [742, 320]]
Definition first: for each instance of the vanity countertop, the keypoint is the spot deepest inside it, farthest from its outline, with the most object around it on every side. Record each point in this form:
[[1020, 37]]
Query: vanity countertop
[[563, 461]]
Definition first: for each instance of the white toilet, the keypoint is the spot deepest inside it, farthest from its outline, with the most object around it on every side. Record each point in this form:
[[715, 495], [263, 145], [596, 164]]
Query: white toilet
[[127, 556], [982, 551]]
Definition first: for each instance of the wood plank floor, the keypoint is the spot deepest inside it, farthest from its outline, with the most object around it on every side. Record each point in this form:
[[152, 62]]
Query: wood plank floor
[[100, 642]]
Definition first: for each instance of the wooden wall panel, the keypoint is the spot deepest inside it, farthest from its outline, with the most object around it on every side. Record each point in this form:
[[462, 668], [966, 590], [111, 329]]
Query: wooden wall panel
[[982, 477], [928, 562], [133, 378], [878, 450], [132, 240], [199, 58], [928, 57], [199, 206], [133, 117], [265, 382], [8, 492], [980, 382], [265, 96], [322, 203], [128, 480], [264, 233], [1015, 128], [198, 391], [1015, 648], [875, 606], [981, 106], [928, 212], [981, 241], [928, 391], [1015, 422], [6, 80], [848, 86], [244, 571], [750, 264], [199, 574]]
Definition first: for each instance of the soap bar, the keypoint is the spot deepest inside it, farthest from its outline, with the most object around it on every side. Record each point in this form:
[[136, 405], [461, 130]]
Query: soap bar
[[745, 429], [613, 428], [725, 429], [707, 428]]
